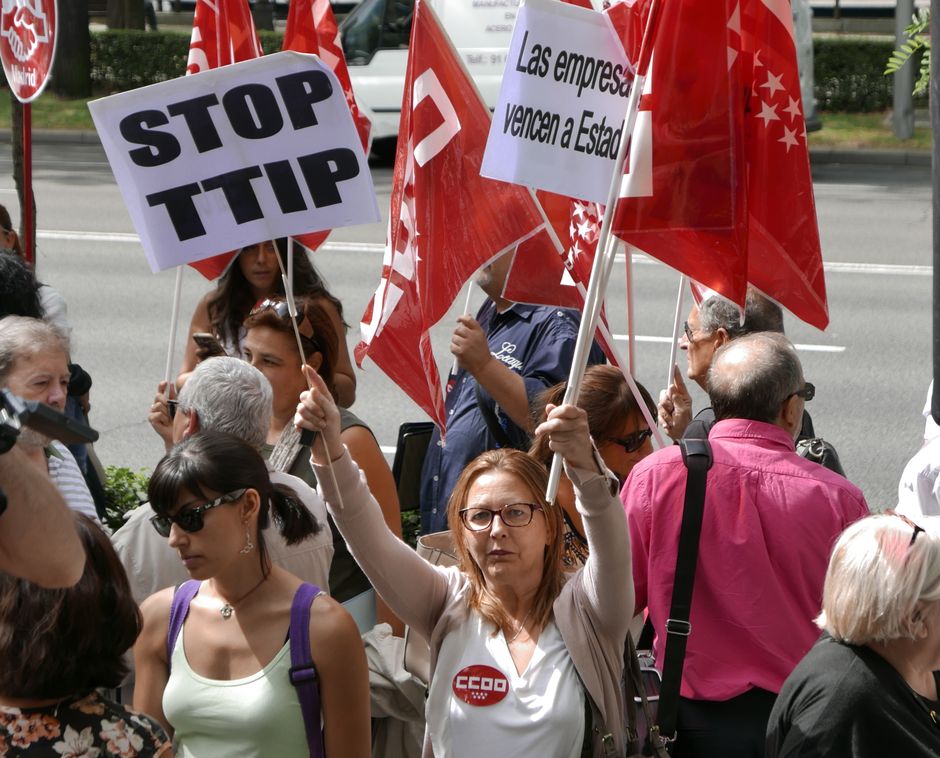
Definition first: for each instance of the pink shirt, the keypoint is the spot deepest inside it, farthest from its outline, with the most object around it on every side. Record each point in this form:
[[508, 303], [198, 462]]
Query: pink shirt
[[771, 519]]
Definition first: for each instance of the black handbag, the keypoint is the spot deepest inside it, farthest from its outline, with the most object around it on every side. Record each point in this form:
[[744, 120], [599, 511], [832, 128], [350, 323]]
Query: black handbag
[[822, 452]]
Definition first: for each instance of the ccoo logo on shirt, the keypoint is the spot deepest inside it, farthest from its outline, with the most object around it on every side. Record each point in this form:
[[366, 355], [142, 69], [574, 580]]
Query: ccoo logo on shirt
[[480, 685]]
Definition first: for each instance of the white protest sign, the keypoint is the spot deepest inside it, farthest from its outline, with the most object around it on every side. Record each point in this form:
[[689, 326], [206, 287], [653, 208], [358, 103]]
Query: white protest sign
[[227, 157], [560, 111]]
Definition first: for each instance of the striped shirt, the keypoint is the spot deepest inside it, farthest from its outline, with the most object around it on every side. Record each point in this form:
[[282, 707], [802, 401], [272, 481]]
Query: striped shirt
[[64, 471]]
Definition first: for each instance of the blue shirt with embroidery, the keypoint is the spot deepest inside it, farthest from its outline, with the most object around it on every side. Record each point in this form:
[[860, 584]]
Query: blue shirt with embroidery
[[536, 342]]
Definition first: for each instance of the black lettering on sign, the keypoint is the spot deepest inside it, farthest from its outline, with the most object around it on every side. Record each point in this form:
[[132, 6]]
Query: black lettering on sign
[[323, 171], [285, 186], [199, 121], [161, 147], [181, 209], [301, 91], [241, 197], [253, 111]]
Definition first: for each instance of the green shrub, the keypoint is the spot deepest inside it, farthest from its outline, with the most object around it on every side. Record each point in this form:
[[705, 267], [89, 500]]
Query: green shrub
[[126, 59], [125, 490]]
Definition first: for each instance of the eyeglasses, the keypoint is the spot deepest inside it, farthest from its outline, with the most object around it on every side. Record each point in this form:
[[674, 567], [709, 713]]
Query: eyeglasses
[[171, 406], [282, 311], [511, 514], [191, 519], [807, 393], [917, 529], [633, 442], [688, 332]]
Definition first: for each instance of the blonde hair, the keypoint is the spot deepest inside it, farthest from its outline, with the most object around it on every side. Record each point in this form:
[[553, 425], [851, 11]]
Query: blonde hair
[[877, 578], [535, 477]]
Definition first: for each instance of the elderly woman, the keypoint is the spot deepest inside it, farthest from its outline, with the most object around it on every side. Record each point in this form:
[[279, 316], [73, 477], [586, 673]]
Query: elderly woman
[[869, 687], [58, 646], [525, 659], [617, 427]]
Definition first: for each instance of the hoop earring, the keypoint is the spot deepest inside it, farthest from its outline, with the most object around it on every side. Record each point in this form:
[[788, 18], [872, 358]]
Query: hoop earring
[[249, 545]]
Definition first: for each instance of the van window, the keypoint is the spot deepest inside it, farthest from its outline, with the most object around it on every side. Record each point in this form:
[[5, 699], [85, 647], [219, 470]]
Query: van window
[[376, 25]]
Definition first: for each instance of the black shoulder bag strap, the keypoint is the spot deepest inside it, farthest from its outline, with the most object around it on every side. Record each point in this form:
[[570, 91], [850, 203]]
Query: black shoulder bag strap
[[697, 457], [492, 422]]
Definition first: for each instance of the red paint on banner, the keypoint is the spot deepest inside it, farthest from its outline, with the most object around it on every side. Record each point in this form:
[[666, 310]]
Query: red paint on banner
[[480, 685]]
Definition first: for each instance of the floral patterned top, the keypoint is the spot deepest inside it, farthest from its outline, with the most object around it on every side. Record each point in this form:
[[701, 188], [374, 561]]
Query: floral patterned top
[[81, 727]]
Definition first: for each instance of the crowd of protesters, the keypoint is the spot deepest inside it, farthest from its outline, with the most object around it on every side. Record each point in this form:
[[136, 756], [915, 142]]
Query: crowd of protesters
[[265, 587]]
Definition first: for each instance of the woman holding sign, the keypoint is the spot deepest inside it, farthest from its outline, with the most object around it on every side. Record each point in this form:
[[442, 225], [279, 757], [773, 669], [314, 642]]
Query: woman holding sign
[[525, 658], [254, 276]]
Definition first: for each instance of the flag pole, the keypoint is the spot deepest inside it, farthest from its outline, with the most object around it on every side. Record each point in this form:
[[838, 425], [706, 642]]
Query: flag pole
[[174, 325], [631, 330], [674, 350], [604, 258], [466, 311]]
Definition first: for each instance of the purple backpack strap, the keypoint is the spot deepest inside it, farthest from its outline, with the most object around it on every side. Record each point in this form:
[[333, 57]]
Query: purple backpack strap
[[303, 672], [179, 610]]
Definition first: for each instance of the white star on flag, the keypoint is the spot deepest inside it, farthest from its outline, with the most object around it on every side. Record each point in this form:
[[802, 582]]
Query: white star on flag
[[773, 83], [793, 108], [789, 138], [586, 229], [768, 112], [579, 210]]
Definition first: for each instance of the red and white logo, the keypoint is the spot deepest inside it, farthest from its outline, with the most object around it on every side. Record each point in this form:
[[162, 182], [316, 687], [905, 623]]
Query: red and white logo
[[27, 45], [480, 685]]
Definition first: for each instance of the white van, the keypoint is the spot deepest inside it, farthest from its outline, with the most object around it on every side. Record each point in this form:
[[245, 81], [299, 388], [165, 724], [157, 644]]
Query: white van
[[375, 39]]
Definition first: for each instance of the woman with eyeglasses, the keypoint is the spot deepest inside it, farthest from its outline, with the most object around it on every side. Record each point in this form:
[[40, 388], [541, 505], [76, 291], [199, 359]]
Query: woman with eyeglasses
[[619, 431], [271, 346], [223, 686], [253, 276], [870, 687], [525, 659]]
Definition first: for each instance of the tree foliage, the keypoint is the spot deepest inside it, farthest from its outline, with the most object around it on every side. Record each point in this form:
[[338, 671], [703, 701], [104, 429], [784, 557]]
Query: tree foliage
[[918, 38]]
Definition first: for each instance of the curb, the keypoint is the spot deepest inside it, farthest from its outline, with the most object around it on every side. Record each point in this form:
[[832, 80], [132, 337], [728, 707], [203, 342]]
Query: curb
[[817, 155]]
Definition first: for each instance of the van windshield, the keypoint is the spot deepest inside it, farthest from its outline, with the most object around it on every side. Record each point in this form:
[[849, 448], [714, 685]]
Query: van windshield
[[376, 25]]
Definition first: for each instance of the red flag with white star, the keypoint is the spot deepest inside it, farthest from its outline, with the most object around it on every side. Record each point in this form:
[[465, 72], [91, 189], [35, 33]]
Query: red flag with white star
[[683, 199], [784, 256], [445, 220]]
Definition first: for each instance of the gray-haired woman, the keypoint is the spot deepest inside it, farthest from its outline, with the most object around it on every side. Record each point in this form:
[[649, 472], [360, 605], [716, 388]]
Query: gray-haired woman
[[869, 687]]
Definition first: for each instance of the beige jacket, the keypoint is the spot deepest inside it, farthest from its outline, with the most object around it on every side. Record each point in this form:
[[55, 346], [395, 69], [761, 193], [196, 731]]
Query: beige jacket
[[592, 612]]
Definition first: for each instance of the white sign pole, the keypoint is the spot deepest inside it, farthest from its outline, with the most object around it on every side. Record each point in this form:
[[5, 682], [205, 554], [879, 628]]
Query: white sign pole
[[674, 350], [174, 325], [604, 257]]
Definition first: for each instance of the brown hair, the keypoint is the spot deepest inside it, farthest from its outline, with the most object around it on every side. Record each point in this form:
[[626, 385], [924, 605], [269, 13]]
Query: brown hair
[[6, 224], [606, 398], [60, 642], [324, 340], [534, 476]]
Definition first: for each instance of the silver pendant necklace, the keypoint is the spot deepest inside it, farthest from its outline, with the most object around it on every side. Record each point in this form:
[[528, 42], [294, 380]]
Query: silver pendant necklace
[[228, 608], [519, 630]]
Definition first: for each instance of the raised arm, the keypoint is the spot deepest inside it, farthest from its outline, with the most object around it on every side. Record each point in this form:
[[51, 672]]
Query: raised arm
[[151, 667], [38, 541], [199, 323], [607, 576], [414, 590]]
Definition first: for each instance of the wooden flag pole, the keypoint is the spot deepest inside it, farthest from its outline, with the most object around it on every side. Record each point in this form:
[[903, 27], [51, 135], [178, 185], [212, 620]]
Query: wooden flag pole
[[604, 257]]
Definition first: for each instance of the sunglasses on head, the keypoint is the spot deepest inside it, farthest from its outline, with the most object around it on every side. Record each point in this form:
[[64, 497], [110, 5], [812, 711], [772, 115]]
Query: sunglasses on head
[[191, 519], [633, 442], [282, 311]]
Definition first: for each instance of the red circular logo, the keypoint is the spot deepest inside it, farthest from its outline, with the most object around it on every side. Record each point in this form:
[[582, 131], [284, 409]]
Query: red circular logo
[[27, 44], [480, 685]]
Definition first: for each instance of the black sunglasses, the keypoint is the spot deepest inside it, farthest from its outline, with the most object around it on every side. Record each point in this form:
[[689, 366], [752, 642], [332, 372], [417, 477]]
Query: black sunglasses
[[634, 442], [171, 406], [807, 393], [282, 311], [191, 519]]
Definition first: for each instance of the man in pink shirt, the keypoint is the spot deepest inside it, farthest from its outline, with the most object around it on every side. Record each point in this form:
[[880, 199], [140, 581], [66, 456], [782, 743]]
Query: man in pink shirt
[[770, 521]]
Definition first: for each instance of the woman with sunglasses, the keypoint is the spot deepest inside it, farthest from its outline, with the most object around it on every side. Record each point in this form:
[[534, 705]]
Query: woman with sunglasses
[[619, 431], [253, 276], [870, 687], [525, 659], [271, 347], [225, 687]]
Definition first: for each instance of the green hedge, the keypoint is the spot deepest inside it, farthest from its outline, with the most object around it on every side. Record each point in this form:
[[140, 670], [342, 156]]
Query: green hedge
[[848, 68]]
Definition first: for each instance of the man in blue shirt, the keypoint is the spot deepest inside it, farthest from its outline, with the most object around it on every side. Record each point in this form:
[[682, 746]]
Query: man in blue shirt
[[505, 356]]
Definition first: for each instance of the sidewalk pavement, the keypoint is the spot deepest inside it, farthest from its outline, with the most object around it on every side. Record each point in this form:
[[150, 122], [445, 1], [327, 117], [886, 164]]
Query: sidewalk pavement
[[818, 155]]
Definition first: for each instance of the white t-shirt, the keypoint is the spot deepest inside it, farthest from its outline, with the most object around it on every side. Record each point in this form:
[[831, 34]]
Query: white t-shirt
[[479, 707]]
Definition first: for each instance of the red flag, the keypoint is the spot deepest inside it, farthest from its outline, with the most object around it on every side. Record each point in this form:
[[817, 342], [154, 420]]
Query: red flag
[[683, 199], [445, 220], [223, 33], [311, 28], [784, 256]]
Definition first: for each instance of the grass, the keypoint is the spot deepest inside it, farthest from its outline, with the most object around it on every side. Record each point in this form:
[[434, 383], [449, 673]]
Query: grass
[[840, 130]]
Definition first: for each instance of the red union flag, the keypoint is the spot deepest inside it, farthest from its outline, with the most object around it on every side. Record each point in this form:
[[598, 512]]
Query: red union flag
[[683, 198], [445, 220], [27, 45], [784, 256]]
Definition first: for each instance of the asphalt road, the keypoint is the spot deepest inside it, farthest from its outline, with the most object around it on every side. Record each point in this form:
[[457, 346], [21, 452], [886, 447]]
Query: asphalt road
[[871, 367]]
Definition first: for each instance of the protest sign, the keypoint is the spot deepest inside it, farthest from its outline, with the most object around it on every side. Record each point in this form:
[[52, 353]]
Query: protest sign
[[227, 157], [560, 111], [27, 45]]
